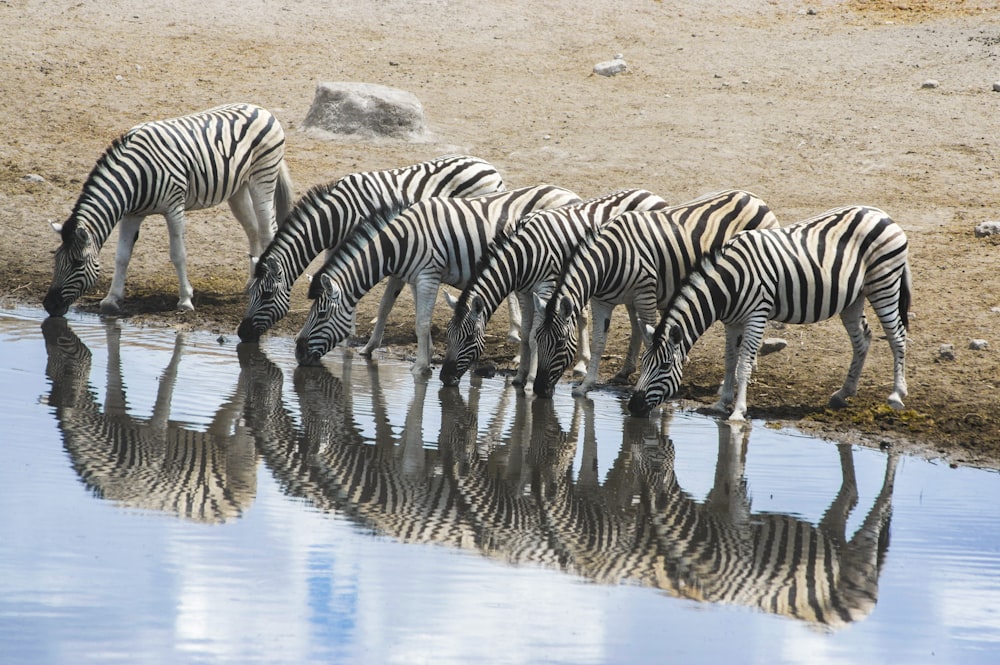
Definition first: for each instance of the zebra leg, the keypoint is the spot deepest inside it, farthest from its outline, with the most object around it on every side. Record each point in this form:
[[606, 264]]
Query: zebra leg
[[583, 337], [527, 360], [515, 328], [128, 233], [634, 345], [601, 311], [753, 334], [425, 293], [895, 332], [734, 335], [393, 288], [178, 256], [242, 205], [853, 318]]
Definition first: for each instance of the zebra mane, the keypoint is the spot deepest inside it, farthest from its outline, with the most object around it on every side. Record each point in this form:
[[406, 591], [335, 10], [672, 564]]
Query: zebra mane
[[363, 232], [685, 288], [118, 144], [589, 238]]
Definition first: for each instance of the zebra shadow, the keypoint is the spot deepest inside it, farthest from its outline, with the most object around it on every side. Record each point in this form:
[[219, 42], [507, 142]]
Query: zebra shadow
[[147, 463]]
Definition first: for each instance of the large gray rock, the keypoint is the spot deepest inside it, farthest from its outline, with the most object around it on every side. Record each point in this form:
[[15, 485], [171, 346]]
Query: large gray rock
[[366, 110]]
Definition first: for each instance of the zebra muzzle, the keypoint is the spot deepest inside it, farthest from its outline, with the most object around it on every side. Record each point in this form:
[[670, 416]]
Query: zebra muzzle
[[304, 355], [638, 406]]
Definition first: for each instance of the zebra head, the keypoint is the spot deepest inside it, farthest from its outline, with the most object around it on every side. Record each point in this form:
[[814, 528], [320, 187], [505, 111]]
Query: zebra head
[[662, 367], [556, 341], [269, 295], [76, 268], [328, 323], [466, 337]]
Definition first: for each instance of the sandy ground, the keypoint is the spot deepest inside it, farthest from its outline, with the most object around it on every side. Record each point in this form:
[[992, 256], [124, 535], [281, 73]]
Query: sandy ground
[[810, 105]]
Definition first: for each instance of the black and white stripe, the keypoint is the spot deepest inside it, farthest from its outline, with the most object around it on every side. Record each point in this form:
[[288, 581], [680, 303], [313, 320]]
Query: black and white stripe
[[231, 153], [433, 242], [637, 259], [527, 262], [808, 272], [323, 217]]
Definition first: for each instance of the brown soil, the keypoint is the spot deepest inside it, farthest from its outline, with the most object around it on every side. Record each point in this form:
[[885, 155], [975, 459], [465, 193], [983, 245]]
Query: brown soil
[[810, 106]]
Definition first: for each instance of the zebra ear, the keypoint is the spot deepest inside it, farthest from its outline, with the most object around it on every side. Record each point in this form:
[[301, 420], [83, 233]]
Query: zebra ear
[[56, 226], [540, 302], [328, 285], [476, 305], [449, 299], [566, 307], [675, 334], [647, 334]]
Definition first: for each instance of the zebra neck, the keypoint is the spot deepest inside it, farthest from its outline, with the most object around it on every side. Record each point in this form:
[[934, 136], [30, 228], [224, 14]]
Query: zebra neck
[[98, 214], [695, 309]]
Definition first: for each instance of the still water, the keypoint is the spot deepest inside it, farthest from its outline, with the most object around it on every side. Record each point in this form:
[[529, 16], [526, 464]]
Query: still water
[[175, 498]]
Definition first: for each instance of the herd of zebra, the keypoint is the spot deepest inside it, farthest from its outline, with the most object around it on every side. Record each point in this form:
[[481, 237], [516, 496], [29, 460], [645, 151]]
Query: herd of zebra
[[676, 268]]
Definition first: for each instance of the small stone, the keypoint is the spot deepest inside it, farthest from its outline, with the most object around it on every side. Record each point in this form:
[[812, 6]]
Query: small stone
[[610, 67], [946, 352], [33, 177], [772, 345], [987, 229], [929, 83], [978, 344], [996, 87], [995, 310]]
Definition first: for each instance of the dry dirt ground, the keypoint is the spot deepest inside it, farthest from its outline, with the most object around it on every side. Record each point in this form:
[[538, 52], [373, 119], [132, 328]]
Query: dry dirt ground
[[810, 105]]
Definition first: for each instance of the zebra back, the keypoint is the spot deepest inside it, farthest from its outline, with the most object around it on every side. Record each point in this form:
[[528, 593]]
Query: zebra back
[[323, 217]]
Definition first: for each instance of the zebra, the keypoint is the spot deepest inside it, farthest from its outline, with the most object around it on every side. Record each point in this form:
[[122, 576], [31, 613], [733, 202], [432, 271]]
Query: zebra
[[804, 273], [231, 153], [322, 218], [638, 259], [434, 241], [528, 261]]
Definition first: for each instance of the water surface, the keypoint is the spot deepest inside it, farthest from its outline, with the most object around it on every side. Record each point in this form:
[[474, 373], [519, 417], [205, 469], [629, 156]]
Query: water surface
[[178, 498]]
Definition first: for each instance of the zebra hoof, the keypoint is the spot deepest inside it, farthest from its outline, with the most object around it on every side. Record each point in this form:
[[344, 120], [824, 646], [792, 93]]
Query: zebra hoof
[[185, 306], [513, 338], [111, 307], [895, 402], [837, 401]]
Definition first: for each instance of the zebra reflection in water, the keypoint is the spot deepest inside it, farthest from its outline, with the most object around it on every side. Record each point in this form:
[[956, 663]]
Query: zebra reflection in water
[[146, 463]]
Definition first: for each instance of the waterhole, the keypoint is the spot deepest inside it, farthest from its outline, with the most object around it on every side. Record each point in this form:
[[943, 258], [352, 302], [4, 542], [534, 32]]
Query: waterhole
[[177, 497]]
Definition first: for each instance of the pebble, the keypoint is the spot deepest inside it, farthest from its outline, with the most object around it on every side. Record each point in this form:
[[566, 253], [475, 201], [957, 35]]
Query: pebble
[[929, 83], [946, 352], [33, 177], [611, 67], [984, 229], [996, 87], [772, 345], [978, 344]]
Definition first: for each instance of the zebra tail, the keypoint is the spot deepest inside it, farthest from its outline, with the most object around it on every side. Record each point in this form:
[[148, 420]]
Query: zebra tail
[[904, 296], [283, 194]]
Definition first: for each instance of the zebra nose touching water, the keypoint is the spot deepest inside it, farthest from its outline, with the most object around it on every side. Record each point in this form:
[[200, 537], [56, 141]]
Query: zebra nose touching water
[[324, 216], [803, 273], [435, 241], [232, 153]]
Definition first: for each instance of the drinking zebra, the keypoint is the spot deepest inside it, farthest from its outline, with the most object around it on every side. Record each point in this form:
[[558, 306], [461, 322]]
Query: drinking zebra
[[638, 259], [322, 218], [804, 273], [232, 153], [433, 241], [529, 261]]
